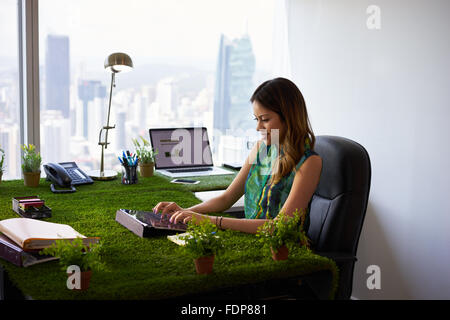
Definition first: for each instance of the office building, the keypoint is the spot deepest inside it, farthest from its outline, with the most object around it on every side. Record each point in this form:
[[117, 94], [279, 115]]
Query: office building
[[55, 132], [234, 84], [167, 96], [88, 90], [10, 143], [57, 75]]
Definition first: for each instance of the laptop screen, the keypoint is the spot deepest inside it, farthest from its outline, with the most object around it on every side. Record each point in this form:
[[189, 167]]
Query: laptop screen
[[181, 147]]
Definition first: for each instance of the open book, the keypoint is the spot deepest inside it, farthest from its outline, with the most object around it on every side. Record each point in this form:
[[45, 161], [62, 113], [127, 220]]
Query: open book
[[31, 234]]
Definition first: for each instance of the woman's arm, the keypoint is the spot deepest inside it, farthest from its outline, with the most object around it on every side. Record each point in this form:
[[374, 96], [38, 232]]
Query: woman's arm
[[234, 191], [305, 183], [303, 187], [237, 224]]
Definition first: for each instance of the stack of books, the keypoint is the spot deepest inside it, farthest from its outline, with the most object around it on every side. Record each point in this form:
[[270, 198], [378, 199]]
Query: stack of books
[[31, 207], [21, 239]]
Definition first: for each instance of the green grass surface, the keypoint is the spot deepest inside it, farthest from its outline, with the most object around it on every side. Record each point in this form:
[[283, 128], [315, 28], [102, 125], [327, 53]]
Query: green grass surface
[[143, 268]]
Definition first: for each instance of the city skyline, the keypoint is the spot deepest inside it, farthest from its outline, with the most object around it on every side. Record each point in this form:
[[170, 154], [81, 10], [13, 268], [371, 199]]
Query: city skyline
[[175, 98]]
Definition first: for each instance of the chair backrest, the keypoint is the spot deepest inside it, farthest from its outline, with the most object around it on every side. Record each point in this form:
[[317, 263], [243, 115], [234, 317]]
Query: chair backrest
[[338, 206]]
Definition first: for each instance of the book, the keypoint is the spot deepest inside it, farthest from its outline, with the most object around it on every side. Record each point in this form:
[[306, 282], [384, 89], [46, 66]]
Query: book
[[147, 224], [11, 252], [32, 234], [177, 238], [31, 207], [28, 204]]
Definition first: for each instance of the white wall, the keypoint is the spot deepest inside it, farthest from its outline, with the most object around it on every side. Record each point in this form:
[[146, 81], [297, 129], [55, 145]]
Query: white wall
[[388, 89]]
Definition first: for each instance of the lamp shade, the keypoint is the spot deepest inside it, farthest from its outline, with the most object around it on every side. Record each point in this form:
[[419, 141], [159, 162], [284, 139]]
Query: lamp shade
[[117, 62]]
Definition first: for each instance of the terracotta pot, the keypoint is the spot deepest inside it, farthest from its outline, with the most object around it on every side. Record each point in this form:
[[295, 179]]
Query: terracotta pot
[[281, 254], [31, 179], [204, 265], [146, 169], [84, 281]]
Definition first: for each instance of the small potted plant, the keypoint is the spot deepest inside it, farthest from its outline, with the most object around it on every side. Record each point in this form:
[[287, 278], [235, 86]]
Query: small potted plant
[[146, 156], [2, 161], [202, 243], [74, 252], [283, 233], [31, 166]]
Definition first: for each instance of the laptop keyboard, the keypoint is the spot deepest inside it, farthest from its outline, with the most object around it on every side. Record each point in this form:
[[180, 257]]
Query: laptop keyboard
[[189, 170]]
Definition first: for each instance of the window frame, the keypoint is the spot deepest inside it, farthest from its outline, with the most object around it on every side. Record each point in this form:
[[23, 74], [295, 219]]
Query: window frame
[[29, 104]]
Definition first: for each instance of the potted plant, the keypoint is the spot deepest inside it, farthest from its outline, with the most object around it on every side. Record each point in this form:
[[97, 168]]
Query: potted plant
[[2, 161], [31, 166], [146, 156], [74, 252], [283, 233], [202, 243]]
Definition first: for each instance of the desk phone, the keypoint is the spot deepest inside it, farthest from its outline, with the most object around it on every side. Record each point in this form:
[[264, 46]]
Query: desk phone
[[76, 174]]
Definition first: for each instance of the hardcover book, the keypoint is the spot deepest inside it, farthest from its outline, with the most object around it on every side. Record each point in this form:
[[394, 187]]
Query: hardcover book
[[11, 252], [31, 234], [148, 224]]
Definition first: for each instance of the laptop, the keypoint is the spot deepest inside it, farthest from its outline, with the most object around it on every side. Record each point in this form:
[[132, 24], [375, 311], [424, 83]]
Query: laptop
[[183, 152]]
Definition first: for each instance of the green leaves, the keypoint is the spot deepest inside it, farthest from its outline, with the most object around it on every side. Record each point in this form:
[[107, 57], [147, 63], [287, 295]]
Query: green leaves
[[31, 159], [203, 239], [74, 252], [284, 230], [144, 152], [2, 159]]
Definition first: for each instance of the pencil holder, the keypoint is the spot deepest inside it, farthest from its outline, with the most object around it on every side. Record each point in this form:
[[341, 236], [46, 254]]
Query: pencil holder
[[129, 174]]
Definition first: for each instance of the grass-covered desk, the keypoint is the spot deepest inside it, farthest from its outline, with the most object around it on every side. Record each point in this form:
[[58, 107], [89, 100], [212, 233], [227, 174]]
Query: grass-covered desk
[[145, 268]]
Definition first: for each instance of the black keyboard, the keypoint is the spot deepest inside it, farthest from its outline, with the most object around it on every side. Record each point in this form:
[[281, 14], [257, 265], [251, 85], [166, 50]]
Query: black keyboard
[[189, 170]]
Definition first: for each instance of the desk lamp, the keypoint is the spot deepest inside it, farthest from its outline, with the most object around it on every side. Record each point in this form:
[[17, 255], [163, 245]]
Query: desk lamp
[[115, 63]]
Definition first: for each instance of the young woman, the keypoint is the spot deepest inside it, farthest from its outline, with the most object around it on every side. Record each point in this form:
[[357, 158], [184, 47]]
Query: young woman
[[281, 172]]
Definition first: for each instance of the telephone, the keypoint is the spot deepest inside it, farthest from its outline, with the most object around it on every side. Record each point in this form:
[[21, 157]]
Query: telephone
[[65, 175]]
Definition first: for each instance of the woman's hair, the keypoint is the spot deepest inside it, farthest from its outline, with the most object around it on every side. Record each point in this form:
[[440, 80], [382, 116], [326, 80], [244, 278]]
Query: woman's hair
[[283, 97]]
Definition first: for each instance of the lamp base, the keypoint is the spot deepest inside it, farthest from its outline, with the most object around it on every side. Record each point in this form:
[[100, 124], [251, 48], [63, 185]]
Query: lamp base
[[107, 175]]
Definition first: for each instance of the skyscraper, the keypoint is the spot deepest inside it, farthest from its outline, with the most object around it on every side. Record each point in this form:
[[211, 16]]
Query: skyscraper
[[234, 84], [88, 90], [57, 74]]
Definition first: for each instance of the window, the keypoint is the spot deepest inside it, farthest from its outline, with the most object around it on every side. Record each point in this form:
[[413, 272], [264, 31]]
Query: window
[[196, 63], [9, 90]]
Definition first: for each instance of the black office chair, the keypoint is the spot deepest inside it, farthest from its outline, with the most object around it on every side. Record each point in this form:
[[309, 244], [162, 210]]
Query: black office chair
[[338, 206]]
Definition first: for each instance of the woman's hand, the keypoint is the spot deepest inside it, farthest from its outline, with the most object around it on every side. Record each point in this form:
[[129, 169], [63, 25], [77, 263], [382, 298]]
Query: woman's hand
[[167, 208], [184, 216]]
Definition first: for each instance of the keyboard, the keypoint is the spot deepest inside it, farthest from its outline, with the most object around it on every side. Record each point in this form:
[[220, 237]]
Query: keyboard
[[189, 170]]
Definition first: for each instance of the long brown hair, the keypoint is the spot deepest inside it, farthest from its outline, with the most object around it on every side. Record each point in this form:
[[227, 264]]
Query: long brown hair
[[283, 97]]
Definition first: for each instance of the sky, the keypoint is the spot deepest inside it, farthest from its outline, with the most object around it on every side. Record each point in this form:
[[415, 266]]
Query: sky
[[151, 31]]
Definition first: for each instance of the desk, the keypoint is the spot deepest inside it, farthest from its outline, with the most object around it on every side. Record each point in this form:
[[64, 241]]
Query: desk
[[146, 268]]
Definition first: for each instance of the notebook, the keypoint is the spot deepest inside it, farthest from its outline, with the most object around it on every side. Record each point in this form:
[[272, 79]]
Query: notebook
[[184, 152], [32, 234], [236, 209]]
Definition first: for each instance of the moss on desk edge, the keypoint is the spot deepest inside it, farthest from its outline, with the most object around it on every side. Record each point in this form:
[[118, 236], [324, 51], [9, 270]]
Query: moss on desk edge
[[92, 218], [171, 286]]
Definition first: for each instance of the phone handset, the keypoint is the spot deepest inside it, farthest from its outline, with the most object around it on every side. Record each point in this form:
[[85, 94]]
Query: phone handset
[[58, 175]]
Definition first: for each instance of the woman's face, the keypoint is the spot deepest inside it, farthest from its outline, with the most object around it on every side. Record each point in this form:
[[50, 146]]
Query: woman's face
[[269, 124]]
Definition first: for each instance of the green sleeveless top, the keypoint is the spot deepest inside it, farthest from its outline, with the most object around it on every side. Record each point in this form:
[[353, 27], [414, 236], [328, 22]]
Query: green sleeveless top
[[264, 200]]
